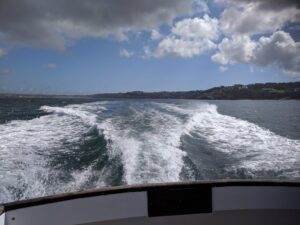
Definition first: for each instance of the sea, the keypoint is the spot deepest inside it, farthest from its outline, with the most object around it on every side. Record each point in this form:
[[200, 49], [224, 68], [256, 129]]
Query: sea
[[51, 146]]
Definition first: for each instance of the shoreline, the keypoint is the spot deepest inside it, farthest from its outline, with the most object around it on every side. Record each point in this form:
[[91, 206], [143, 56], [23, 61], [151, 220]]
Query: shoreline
[[258, 91]]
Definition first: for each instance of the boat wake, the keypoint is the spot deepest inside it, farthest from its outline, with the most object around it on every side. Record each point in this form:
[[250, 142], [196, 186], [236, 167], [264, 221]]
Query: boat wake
[[90, 145]]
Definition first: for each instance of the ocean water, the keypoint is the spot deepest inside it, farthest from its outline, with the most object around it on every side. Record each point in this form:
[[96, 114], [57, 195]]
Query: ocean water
[[50, 146]]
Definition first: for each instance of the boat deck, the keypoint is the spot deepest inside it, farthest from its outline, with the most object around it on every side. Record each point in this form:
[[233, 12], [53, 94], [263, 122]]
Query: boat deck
[[202, 202]]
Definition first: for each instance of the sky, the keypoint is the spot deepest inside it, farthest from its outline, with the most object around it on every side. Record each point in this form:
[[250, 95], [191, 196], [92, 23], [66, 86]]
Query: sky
[[101, 46]]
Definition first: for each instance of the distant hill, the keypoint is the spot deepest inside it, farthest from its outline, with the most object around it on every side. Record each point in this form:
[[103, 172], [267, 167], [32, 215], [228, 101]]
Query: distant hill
[[238, 91], [251, 91]]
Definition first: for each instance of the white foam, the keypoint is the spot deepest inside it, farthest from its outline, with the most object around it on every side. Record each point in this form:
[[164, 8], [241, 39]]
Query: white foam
[[256, 147], [152, 155], [86, 112], [25, 145], [147, 139]]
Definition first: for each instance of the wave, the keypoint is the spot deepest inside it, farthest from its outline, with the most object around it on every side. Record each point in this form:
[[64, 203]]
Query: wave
[[89, 145], [151, 152], [256, 148], [26, 146], [81, 111]]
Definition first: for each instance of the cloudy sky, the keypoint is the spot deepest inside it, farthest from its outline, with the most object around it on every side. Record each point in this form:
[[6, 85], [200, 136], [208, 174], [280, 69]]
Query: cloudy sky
[[94, 46]]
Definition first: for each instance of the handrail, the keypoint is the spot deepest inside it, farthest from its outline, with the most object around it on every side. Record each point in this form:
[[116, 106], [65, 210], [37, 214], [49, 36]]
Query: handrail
[[142, 187]]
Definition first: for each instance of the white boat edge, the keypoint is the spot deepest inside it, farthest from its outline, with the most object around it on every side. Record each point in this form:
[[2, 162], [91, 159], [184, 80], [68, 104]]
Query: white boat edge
[[199, 202]]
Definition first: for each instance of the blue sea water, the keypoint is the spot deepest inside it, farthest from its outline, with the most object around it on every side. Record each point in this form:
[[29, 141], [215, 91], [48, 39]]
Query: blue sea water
[[50, 146]]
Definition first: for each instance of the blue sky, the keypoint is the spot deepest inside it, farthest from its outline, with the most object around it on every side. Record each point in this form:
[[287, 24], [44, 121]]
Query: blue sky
[[196, 45]]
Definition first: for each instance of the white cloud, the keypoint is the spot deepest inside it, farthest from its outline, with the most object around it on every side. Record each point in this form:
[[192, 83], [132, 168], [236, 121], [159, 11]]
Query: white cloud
[[50, 65], [205, 27], [257, 16], [55, 24], [223, 68], [183, 47], [126, 53], [278, 50], [147, 52], [189, 37], [2, 52], [155, 35], [237, 49]]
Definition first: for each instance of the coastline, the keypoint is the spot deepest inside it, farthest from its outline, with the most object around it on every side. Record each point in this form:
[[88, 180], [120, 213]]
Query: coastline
[[266, 91]]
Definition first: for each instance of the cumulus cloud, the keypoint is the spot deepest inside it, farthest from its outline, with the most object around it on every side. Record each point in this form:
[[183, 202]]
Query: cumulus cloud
[[268, 4], [155, 35], [205, 27], [126, 53], [2, 52], [59, 23], [239, 48], [183, 47], [279, 49], [258, 16], [189, 37], [56, 23]]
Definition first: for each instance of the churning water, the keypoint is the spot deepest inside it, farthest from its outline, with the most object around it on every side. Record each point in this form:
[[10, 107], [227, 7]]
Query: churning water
[[56, 146]]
